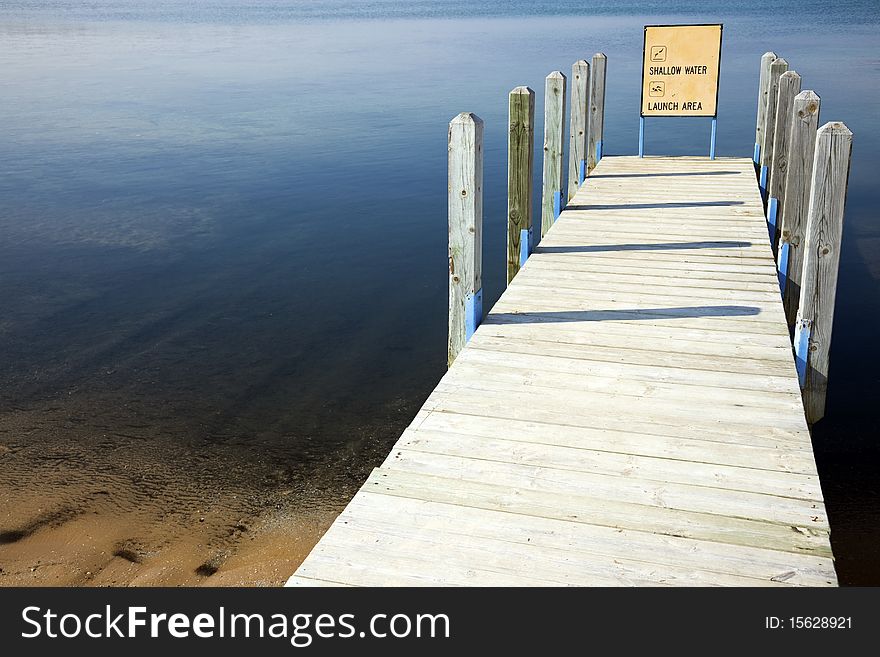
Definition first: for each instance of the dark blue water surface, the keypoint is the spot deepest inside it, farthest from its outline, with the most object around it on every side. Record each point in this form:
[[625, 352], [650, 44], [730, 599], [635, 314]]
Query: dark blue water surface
[[223, 229]]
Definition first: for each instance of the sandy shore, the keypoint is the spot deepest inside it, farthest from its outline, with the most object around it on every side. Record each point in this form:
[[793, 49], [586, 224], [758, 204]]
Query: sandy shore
[[130, 507], [102, 549]]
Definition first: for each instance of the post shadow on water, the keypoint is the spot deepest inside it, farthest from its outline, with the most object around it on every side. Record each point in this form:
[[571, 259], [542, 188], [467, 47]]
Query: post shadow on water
[[845, 440], [554, 316], [662, 246], [654, 206]]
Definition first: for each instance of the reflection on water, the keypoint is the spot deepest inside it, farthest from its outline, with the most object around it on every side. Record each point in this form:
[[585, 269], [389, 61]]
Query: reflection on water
[[223, 239]]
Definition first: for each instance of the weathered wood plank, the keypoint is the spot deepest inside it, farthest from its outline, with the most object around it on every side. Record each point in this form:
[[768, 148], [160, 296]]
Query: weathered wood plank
[[821, 260], [610, 334], [621, 487], [611, 464], [465, 207], [446, 519], [554, 129], [684, 278], [596, 129], [665, 411], [705, 268], [799, 173], [546, 561], [787, 454], [531, 372], [738, 305], [666, 288], [520, 165], [640, 365], [619, 278], [380, 563], [577, 132], [665, 417], [577, 507]]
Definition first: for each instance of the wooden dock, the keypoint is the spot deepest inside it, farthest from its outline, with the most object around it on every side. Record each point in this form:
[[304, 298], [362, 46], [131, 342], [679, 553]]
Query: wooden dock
[[628, 413]]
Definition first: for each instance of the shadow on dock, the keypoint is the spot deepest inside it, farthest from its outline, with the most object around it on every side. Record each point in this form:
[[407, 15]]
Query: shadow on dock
[[620, 315], [665, 246], [654, 206], [663, 175]]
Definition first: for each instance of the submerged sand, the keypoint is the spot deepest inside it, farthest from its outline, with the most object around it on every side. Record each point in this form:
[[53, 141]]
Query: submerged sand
[[118, 507], [98, 548]]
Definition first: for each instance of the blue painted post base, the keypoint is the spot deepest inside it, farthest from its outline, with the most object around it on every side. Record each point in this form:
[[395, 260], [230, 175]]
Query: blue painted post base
[[557, 205], [756, 158], [473, 313], [525, 246], [762, 183], [782, 266], [802, 348], [582, 172], [772, 211], [598, 151]]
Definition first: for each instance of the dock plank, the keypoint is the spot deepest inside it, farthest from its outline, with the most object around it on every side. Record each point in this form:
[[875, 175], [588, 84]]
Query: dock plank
[[444, 519], [627, 414]]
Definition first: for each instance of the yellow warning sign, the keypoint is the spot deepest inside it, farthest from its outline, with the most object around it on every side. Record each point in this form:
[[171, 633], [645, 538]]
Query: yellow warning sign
[[680, 70]]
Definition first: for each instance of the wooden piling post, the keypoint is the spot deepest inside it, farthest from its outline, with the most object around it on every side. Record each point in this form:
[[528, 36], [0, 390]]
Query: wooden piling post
[[766, 59], [577, 129], [789, 87], [596, 129], [798, 173], [465, 199], [520, 166], [554, 131], [777, 68], [821, 259]]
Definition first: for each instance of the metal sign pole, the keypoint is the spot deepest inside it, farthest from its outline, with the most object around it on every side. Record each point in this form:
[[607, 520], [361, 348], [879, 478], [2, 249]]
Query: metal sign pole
[[712, 143], [641, 136]]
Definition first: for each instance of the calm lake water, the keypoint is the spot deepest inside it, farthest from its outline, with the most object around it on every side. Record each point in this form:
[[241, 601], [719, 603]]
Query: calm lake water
[[223, 229]]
